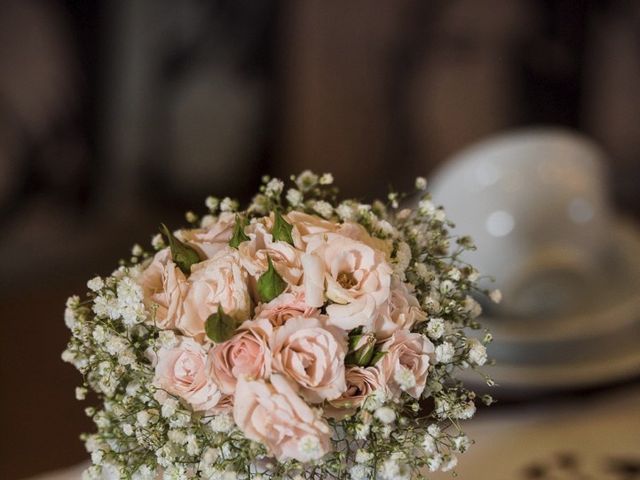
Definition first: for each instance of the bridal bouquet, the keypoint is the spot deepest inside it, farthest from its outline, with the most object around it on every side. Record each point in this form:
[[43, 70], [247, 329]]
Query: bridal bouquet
[[301, 338]]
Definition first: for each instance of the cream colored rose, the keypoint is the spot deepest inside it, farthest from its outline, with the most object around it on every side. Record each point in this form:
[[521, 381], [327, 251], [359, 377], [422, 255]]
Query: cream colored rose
[[183, 371], [284, 307], [405, 366], [355, 276], [361, 382], [401, 312], [219, 281], [313, 280], [164, 287], [273, 414], [254, 255], [306, 226], [245, 355], [209, 241], [357, 232], [312, 355]]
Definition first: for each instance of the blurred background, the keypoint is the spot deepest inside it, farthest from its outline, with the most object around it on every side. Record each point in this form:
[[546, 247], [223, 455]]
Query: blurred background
[[117, 115]]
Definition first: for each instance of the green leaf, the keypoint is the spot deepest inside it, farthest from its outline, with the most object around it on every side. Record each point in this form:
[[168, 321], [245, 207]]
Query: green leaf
[[282, 230], [361, 349], [220, 327], [270, 283], [238, 232], [182, 254], [354, 337], [377, 356]]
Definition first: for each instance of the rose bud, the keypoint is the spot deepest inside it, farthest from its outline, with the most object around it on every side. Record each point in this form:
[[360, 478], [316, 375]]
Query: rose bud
[[361, 348]]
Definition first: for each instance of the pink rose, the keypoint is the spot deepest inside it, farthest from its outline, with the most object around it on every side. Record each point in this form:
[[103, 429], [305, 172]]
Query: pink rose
[[361, 382], [402, 311], [246, 355], [225, 405], [356, 277], [255, 253], [209, 241], [312, 355], [284, 307], [184, 371], [274, 415], [219, 281], [406, 364], [165, 287]]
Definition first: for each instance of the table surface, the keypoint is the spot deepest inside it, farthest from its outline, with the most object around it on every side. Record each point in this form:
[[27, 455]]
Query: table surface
[[591, 438]]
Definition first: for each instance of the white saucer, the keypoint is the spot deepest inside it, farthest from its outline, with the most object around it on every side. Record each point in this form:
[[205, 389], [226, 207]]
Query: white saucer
[[597, 343]]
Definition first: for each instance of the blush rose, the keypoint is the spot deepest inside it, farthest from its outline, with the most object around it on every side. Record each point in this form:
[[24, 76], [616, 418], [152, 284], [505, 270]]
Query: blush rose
[[164, 288], [285, 307], [183, 370], [353, 275], [219, 281], [311, 354], [273, 414], [209, 241], [409, 352], [246, 355]]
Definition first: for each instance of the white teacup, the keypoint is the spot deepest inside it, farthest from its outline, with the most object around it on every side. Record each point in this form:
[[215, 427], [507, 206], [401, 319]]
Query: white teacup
[[535, 202]]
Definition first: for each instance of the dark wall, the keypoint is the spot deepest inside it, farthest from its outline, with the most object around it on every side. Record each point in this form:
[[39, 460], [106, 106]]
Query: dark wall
[[115, 116]]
